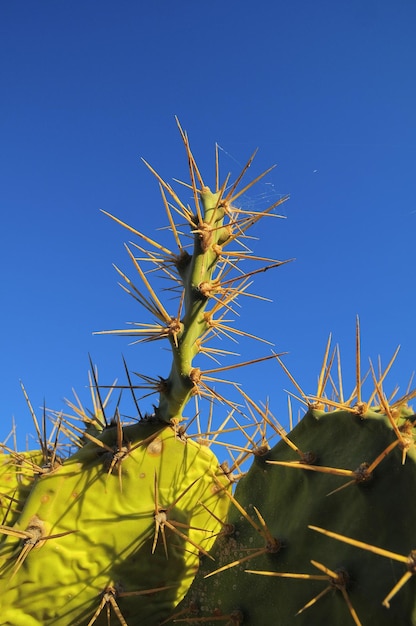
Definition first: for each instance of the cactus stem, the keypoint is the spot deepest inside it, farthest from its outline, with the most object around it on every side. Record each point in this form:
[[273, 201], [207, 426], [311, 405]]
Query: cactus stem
[[360, 475], [187, 334]]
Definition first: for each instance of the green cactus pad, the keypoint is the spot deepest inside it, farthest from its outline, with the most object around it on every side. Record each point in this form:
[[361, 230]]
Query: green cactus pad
[[89, 528], [378, 510]]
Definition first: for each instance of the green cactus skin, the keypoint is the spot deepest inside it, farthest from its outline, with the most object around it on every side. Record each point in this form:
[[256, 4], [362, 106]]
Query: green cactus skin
[[195, 272], [379, 511], [105, 535]]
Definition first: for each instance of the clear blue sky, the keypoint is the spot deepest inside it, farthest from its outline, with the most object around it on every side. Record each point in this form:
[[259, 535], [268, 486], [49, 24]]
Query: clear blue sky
[[325, 89]]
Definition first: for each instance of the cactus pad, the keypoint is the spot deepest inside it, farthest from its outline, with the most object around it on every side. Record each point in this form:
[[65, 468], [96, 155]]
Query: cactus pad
[[321, 530], [133, 522]]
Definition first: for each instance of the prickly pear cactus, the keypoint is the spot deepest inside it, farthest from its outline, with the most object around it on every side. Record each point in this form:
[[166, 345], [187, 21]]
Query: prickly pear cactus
[[113, 533], [322, 528]]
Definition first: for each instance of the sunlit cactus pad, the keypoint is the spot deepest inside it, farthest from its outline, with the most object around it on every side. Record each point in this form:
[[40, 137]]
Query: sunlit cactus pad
[[126, 526]]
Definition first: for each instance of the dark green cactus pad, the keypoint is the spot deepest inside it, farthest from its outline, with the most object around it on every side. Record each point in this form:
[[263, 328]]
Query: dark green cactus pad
[[377, 509], [123, 530]]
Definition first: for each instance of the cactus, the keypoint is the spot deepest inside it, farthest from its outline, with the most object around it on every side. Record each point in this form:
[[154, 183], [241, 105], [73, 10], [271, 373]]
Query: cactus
[[140, 524], [114, 530], [321, 529]]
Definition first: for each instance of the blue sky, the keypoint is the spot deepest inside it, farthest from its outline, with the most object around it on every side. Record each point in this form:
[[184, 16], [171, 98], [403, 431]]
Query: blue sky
[[325, 90]]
